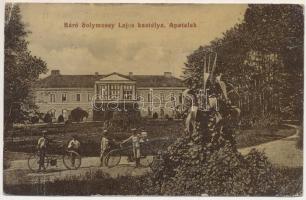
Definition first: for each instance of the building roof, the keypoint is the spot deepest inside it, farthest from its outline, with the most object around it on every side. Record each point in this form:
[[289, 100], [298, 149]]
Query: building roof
[[88, 81]]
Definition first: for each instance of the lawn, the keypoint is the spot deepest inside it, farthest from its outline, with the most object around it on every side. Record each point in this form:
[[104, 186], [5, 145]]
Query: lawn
[[251, 137], [24, 140]]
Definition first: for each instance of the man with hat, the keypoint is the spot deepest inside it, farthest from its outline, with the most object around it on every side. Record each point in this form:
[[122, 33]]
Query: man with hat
[[41, 148], [135, 138], [104, 147]]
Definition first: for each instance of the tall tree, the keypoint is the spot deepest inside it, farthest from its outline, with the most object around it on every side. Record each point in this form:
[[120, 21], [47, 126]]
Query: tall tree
[[21, 69], [261, 58]]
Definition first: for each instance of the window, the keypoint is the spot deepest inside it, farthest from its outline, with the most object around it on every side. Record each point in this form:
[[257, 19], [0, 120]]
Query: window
[[181, 98], [172, 98], [64, 97], [104, 91], [114, 92], [128, 92], [52, 97], [78, 97], [162, 97]]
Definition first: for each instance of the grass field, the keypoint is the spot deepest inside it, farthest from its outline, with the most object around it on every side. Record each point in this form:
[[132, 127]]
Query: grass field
[[247, 138], [89, 135]]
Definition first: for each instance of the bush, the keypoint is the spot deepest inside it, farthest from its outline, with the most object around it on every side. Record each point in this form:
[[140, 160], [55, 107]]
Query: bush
[[78, 114], [206, 161], [155, 115], [34, 119], [93, 183], [48, 118], [60, 119]]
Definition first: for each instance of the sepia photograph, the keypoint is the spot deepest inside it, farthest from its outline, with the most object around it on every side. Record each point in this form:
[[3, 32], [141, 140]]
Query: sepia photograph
[[153, 99]]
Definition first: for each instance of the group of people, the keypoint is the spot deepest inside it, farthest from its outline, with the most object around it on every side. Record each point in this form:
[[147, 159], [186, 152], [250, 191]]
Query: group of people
[[136, 139], [106, 145]]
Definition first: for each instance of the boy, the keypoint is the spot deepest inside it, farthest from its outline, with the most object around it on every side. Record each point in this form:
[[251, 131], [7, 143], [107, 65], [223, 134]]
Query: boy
[[135, 138]]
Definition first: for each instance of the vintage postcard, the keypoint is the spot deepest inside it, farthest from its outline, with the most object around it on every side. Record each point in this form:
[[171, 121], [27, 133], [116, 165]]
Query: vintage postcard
[[153, 99]]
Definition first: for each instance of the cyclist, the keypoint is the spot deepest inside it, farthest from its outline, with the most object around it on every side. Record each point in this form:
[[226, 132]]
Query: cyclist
[[104, 146], [42, 147], [74, 145], [135, 138]]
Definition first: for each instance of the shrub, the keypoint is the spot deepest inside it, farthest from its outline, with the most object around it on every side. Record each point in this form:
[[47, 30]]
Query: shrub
[[60, 119], [34, 119], [78, 114], [155, 115], [48, 118], [206, 161]]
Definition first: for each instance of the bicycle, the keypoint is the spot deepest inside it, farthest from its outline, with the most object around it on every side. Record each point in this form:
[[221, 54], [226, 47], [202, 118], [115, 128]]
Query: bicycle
[[71, 159], [147, 155]]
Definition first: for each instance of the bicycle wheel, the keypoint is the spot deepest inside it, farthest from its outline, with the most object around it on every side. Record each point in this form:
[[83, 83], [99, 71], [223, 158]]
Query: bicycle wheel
[[33, 162], [113, 158], [72, 160]]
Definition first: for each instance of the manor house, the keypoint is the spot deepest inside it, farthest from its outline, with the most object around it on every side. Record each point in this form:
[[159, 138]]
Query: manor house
[[158, 95]]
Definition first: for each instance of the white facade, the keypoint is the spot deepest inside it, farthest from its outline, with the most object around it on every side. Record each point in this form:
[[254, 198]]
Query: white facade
[[113, 88]]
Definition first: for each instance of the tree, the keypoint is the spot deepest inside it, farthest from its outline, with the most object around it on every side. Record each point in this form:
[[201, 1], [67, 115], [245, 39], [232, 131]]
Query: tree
[[48, 118], [78, 114], [60, 119], [261, 59], [21, 69]]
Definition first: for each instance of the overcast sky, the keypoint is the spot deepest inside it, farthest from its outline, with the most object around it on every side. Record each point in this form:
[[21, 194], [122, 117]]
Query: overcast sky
[[142, 51]]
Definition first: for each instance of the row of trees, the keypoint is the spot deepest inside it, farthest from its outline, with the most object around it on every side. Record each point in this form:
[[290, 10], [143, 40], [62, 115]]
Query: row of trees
[[262, 59]]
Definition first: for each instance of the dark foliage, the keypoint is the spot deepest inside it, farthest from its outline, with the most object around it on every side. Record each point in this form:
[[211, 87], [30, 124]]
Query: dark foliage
[[48, 118], [34, 119], [155, 115], [261, 60], [21, 69], [60, 119], [101, 184], [78, 114]]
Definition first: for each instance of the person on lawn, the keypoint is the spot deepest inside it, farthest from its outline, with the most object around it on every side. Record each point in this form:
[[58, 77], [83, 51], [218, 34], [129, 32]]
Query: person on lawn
[[74, 145], [42, 148], [135, 138], [104, 147]]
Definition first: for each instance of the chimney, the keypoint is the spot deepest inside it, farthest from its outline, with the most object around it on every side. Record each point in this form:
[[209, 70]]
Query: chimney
[[167, 74], [97, 73], [55, 72], [130, 73]]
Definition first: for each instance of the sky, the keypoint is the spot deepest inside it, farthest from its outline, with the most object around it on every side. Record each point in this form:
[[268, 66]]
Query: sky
[[138, 50]]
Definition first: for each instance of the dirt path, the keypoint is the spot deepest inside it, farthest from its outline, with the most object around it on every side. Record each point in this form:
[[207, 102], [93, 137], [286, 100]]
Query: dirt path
[[281, 152], [19, 173]]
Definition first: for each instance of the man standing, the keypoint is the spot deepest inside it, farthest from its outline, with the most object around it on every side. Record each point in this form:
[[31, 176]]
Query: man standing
[[42, 147], [135, 138], [104, 147]]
